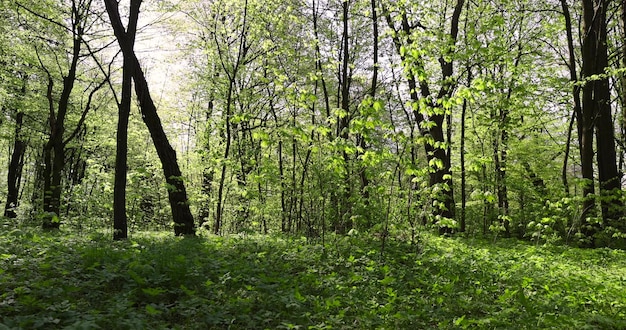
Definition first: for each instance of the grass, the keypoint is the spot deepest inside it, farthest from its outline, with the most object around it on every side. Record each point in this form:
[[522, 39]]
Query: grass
[[156, 281]]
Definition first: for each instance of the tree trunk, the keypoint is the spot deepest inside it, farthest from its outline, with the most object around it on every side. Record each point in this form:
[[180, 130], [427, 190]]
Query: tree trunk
[[608, 175], [16, 163], [344, 223], [183, 219], [120, 221], [55, 148], [597, 108], [584, 126]]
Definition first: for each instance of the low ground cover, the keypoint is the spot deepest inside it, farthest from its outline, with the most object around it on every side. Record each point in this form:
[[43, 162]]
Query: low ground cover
[[156, 281]]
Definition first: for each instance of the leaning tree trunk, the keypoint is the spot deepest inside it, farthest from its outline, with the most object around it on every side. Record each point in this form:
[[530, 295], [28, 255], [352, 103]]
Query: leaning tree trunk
[[183, 219]]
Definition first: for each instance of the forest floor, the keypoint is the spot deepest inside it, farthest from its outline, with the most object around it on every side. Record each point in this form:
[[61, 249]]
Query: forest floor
[[156, 281]]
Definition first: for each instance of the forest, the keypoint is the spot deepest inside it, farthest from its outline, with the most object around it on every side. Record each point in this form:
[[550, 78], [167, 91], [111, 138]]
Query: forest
[[312, 164]]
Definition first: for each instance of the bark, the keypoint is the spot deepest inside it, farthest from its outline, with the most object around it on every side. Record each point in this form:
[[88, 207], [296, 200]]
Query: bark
[[219, 210], [583, 121], [232, 72], [16, 163], [462, 225], [597, 107], [177, 194], [120, 221]]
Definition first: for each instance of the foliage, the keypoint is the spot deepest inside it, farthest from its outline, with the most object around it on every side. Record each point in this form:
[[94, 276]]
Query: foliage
[[57, 280]]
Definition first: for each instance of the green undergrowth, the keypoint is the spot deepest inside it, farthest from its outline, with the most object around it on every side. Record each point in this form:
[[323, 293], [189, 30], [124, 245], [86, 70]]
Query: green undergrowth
[[155, 281]]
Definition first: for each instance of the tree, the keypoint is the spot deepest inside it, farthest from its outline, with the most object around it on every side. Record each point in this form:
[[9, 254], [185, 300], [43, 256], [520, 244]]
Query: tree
[[120, 221], [430, 109], [75, 27], [596, 107], [14, 176], [181, 213]]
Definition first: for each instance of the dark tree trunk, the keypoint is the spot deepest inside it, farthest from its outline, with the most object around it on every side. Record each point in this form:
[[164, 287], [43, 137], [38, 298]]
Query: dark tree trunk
[[344, 221], [584, 126], [219, 209], [462, 225], [55, 148], [597, 108], [120, 221], [207, 192], [608, 174], [208, 172], [14, 176], [183, 219]]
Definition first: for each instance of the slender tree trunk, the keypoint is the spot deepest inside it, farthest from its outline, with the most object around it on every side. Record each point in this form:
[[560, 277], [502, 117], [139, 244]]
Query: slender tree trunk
[[462, 225], [183, 219], [15, 166], [55, 148], [208, 172], [120, 222], [583, 121], [345, 220], [219, 209]]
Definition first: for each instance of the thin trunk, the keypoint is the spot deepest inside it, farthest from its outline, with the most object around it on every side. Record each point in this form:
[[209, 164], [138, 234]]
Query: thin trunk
[[292, 189], [345, 219], [208, 172], [584, 128], [55, 147], [219, 210], [623, 84], [462, 152], [120, 221], [365, 182]]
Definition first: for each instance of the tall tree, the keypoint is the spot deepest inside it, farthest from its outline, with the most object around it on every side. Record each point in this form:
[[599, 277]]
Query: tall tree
[[120, 222], [596, 106], [16, 163], [76, 26], [429, 107], [181, 213]]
